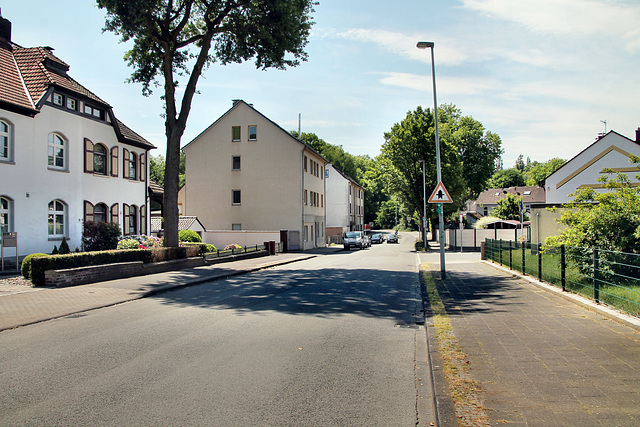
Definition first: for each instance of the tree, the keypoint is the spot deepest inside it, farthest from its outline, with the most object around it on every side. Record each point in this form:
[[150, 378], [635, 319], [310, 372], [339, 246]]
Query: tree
[[413, 140], [506, 178], [178, 39], [508, 208], [157, 166], [536, 172]]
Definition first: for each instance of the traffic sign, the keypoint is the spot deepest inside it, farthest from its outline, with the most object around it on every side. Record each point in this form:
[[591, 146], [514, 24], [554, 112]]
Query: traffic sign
[[440, 195]]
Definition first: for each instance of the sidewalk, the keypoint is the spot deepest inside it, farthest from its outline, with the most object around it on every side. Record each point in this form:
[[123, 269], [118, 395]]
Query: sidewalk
[[32, 305], [540, 359]]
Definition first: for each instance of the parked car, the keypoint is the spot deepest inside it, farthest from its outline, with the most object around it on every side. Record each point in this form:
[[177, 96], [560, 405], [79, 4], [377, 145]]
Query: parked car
[[354, 239], [393, 238], [377, 238]]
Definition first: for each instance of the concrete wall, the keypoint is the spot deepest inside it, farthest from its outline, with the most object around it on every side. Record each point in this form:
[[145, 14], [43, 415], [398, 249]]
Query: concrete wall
[[222, 238]]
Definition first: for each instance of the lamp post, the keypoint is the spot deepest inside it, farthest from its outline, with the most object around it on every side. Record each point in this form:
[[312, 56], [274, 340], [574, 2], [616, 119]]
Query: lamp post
[[424, 205], [430, 45]]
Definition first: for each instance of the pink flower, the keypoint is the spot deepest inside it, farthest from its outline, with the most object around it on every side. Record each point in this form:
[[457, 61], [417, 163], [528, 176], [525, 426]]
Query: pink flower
[[142, 247]]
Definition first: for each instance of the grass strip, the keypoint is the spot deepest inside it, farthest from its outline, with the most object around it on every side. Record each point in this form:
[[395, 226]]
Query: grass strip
[[465, 391]]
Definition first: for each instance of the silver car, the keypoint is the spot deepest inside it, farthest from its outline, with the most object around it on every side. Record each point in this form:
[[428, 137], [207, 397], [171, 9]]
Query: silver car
[[354, 239]]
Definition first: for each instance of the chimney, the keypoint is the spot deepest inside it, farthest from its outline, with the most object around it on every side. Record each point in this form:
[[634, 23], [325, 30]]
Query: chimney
[[638, 135], [5, 28]]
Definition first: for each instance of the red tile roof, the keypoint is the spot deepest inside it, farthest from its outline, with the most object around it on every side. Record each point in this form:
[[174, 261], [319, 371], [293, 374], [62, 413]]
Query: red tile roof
[[29, 73]]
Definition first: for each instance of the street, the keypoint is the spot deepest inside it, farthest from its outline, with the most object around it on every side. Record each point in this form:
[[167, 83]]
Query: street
[[327, 341]]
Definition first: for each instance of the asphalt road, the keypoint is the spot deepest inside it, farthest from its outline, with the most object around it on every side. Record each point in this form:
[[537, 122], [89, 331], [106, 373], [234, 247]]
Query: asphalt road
[[328, 341]]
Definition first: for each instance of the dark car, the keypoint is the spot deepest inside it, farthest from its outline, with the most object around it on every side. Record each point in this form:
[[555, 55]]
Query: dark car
[[393, 238], [377, 238]]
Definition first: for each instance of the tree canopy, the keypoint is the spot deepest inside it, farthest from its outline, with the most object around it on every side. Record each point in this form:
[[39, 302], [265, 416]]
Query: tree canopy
[[177, 40], [508, 208]]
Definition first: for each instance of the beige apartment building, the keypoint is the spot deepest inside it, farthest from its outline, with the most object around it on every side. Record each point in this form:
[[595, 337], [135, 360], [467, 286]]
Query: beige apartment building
[[246, 173]]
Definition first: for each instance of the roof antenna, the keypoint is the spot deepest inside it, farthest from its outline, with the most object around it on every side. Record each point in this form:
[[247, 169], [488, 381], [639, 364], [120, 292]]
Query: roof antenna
[[605, 126]]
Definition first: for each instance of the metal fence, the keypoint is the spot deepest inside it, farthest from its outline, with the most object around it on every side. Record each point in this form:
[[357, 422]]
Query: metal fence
[[607, 277], [220, 253]]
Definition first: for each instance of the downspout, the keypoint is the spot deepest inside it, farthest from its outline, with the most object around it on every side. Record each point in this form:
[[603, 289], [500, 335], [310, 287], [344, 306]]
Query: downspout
[[302, 236]]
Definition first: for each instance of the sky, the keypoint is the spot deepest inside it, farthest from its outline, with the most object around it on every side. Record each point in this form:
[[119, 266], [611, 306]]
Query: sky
[[545, 75]]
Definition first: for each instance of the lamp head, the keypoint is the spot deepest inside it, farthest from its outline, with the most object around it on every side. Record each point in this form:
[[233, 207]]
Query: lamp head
[[425, 45]]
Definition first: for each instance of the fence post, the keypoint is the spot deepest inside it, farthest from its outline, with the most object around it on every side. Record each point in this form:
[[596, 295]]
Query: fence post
[[510, 256], [500, 251], [524, 270], [596, 285], [539, 262], [563, 267]]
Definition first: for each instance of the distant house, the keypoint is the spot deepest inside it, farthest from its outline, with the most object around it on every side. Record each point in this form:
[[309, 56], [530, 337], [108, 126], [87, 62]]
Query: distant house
[[246, 173], [345, 202], [184, 223], [487, 201], [609, 151], [64, 156]]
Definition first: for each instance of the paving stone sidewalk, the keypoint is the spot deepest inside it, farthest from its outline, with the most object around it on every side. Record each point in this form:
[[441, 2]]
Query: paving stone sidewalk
[[541, 360], [23, 305]]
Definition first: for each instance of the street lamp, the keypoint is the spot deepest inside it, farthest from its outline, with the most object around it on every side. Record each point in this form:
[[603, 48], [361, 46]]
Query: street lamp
[[424, 206], [431, 45]]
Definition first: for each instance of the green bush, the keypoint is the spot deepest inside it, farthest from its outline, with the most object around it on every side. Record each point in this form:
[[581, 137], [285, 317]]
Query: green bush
[[26, 264], [203, 248], [55, 250], [189, 236], [128, 244], [101, 236], [64, 247]]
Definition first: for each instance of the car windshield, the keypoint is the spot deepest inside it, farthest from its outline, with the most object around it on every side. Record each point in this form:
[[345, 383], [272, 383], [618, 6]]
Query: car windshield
[[351, 234]]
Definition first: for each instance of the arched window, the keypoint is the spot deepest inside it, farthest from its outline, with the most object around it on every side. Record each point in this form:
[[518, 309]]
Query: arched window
[[100, 213], [6, 215], [6, 141], [57, 218], [133, 165], [100, 159], [131, 221], [57, 152]]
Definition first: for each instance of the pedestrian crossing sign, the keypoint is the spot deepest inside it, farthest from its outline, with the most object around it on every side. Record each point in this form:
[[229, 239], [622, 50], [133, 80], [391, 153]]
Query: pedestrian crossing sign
[[440, 195]]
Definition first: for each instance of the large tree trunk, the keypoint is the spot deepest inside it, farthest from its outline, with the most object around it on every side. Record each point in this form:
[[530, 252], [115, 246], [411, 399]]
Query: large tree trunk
[[171, 182]]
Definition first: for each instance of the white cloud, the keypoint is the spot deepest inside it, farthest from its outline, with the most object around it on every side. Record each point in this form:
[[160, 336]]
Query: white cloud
[[574, 18], [444, 85]]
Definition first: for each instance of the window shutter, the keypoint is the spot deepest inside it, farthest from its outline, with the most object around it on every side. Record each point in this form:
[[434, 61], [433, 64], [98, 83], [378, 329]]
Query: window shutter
[[125, 163], [125, 219], [143, 219], [88, 211], [114, 161], [88, 156], [114, 213], [143, 167]]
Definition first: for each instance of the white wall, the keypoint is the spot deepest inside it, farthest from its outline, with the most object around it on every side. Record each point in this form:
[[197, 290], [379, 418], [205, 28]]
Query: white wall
[[222, 238]]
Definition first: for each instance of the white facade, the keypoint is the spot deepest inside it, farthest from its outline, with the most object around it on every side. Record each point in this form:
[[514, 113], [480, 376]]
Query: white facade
[[609, 151], [64, 157], [345, 201]]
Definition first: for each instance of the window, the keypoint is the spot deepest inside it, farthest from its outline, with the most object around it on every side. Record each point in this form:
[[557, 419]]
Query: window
[[305, 163], [100, 213], [100, 159], [72, 104], [527, 193], [131, 220], [237, 199], [6, 141], [235, 163], [133, 165], [305, 197], [253, 133], [57, 152], [93, 111], [236, 227], [235, 133], [57, 218], [6, 216], [58, 99]]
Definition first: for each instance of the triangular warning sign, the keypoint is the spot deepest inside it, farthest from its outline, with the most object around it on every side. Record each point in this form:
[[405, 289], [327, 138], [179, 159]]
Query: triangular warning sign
[[440, 195]]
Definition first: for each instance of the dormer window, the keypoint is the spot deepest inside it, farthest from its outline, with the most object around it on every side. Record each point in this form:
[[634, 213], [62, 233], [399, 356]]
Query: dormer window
[[58, 99], [72, 104], [93, 111]]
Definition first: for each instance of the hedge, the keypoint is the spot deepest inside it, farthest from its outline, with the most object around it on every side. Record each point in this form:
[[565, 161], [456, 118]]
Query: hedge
[[58, 262]]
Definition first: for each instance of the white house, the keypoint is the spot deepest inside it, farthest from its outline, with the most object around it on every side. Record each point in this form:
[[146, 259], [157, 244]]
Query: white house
[[345, 202], [245, 173], [609, 151], [64, 156]]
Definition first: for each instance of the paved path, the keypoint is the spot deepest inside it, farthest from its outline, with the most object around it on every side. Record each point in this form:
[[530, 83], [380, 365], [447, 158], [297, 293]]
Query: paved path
[[32, 305], [541, 360]]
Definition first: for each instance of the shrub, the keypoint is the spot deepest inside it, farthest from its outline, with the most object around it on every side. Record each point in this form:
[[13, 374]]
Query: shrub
[[189, 236], [203, 248], [101, 236], [55, 250], [232, 246], [128, 244], [64, 247], [26, 264]]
